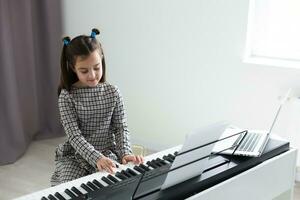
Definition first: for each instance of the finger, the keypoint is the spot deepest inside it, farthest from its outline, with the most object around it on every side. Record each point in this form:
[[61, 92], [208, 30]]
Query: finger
[[140, 159], [133, 158], [124, 161], [109, 162], [102, 168], [110, 169], [112, 164]]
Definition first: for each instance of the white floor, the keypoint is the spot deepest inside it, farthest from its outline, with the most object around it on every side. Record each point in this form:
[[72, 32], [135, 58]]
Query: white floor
[[32, 172]]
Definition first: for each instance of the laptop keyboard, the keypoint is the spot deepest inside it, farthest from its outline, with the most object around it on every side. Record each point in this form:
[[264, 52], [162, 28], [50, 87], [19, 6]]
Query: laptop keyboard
[[249, 143]]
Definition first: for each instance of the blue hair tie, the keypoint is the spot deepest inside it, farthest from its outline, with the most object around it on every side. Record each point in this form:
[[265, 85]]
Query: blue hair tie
[[93, 34], [66, 42]]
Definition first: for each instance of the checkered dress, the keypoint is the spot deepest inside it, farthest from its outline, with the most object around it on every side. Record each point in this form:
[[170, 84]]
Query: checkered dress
[[94, 121]]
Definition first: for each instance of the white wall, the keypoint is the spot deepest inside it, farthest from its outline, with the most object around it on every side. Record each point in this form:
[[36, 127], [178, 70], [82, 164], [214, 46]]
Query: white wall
[[179, 65]]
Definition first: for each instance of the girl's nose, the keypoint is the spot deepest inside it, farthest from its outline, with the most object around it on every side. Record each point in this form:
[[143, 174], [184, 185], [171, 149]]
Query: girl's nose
[[92, 74]]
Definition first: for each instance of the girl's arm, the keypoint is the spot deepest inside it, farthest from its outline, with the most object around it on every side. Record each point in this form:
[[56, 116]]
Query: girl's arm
[[69, 121], [121, 131]]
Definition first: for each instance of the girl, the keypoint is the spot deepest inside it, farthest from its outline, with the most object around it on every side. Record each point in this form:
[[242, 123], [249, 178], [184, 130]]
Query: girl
[[91, 112]]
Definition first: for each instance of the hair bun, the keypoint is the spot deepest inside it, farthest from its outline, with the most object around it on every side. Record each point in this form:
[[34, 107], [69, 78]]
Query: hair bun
[[94, 33]]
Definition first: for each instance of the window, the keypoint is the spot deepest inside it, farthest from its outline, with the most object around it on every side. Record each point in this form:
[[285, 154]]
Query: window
[[273, 33]]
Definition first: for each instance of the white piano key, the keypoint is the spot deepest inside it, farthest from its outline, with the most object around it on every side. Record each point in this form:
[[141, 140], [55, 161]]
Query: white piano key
[[62, 194], [83, 191]]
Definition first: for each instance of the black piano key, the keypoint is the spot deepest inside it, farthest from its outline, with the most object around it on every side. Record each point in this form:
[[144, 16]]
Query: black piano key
[[120, 176], [91, 185], [171, 156], [106, 180], [144, 167], [161, 161], [112, 178], [59, 196], [44, 198], [168, 159], [151, 164], [126, 173], [176, 153], [139, 169], [87, 188], [130, 171], [76, 191], [98, 183], [51, 197], [71, 194], [157, 163]]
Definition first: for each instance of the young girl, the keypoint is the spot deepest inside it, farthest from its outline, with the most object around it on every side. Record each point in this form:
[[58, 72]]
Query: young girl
[[91, 112]]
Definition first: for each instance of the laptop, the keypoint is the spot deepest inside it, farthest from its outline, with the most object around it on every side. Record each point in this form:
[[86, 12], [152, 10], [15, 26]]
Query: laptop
[[254, 142], [187, 164]]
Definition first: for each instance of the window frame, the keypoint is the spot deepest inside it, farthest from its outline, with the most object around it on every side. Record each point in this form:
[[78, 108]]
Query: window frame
[[251, 58]]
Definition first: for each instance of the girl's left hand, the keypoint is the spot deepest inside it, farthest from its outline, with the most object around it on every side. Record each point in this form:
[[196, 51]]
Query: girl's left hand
[[132, 158]]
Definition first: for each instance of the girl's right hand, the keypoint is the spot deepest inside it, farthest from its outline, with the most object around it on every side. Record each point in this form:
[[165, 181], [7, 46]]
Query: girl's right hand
[[106, 164]]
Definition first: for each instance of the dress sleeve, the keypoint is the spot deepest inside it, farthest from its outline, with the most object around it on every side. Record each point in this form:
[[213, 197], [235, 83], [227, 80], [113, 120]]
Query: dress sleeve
[[119, 122], [69, 121]]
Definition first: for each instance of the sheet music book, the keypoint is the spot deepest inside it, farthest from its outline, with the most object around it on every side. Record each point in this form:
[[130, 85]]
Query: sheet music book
[[203, 136]]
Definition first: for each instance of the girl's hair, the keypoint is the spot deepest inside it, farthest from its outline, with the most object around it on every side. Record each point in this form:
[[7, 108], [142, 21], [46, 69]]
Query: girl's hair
[[80, 46]]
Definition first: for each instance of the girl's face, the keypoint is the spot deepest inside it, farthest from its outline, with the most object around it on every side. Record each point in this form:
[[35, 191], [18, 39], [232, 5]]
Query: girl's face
[[89, 69]]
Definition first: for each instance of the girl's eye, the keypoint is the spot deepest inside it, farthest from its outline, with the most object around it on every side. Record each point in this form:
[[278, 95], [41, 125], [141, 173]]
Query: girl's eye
[[83, 72], [97, 68]]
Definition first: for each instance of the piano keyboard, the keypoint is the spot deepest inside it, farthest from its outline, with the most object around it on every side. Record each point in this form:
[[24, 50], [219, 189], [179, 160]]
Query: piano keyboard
[[82, 187]]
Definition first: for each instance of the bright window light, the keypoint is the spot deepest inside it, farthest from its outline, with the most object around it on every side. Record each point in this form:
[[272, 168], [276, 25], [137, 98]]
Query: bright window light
[[273, 33]]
